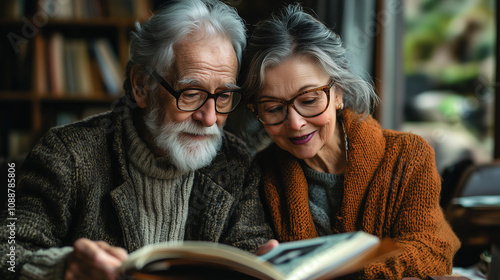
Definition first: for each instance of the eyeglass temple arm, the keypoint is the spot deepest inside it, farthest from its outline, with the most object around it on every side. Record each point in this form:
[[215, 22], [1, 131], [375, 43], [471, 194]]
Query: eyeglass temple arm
[[160, 80]]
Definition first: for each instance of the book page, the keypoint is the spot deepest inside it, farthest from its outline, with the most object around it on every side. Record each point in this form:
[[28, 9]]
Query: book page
[[178, 258], [310, 259]]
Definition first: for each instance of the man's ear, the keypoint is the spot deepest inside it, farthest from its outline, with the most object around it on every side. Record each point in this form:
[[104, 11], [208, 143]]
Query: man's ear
[[137, 80]]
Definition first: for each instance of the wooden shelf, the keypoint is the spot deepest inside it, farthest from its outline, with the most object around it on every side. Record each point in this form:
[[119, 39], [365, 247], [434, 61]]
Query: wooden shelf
[[79, 99], [10, 21], [16, 96], [93, 22]]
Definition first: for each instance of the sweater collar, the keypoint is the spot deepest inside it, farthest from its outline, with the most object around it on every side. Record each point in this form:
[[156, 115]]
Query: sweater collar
[[366, 151], [141, 156]]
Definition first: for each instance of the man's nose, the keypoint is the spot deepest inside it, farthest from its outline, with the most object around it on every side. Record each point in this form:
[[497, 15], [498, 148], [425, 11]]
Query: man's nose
[[206, 114]]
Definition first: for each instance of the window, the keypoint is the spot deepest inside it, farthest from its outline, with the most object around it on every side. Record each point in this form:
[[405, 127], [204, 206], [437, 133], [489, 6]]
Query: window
[[448, 50]]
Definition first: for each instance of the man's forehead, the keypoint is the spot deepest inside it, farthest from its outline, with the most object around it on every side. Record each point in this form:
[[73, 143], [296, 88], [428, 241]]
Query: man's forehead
[[195, 50], [206, 60]]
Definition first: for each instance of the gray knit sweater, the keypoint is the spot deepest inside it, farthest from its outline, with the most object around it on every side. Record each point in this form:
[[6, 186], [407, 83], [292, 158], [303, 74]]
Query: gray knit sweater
[[75, 183], [162, 191], [325, 195]]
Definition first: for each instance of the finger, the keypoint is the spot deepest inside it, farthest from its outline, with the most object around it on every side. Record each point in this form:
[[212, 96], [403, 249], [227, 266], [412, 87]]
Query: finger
[[70, 271], [84, 248], [78, 272], [116, 252], [77, 269], [90, 261], [268, 246], [90, 252]]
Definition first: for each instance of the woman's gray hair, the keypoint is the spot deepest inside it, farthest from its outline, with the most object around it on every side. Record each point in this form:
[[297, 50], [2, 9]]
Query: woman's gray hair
[[151, 44], [294, 32]]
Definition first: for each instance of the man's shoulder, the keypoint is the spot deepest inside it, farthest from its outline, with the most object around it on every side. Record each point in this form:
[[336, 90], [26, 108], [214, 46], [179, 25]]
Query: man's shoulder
[[94, 133], [95, 124], [233, 159], [233, 146]]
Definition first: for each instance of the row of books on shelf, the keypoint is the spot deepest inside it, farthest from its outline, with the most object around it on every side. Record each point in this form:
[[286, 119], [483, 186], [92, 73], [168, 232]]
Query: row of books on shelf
[[77, 67], [62, 67], [77, 9]]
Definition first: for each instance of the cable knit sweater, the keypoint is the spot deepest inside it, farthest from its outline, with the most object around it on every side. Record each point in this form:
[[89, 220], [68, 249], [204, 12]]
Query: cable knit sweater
[[391, 189]]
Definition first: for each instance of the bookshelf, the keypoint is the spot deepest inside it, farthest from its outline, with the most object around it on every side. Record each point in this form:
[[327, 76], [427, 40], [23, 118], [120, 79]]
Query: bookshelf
[[60, 62]]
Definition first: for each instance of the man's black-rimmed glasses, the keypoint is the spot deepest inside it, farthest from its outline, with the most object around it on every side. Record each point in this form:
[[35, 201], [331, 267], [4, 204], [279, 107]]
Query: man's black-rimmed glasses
[[192, 99]]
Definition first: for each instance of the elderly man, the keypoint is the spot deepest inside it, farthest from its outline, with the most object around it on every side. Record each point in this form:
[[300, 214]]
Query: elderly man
[[158, 167]]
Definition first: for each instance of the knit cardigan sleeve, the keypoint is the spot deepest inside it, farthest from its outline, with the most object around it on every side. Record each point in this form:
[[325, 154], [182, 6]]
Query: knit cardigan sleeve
[[47, 264], [43, 202], [413, 217], [62, 194]]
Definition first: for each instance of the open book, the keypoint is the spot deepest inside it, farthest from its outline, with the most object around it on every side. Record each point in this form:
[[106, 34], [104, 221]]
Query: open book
[[328, 256]]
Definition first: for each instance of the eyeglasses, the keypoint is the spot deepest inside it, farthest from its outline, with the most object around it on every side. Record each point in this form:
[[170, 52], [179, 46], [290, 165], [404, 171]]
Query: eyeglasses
[[192, 99], [310, 103]]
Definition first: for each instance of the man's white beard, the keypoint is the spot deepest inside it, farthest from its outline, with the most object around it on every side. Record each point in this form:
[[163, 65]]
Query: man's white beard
[[185, 153]]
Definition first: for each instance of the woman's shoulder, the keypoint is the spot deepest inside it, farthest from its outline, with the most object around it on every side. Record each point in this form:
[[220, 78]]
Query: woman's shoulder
[[406, 142], [402, 136]]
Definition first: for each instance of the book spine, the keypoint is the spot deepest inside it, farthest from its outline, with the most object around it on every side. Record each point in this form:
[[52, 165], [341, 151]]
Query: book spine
[[109, 66], [83, 70], [56, 65], [40, 72]]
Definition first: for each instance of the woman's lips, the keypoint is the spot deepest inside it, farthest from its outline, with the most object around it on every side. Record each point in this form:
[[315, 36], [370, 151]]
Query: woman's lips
[[302, 139]]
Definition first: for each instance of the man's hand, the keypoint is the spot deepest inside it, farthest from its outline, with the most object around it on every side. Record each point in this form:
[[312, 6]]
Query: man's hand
[[94, 260], [268, 246]]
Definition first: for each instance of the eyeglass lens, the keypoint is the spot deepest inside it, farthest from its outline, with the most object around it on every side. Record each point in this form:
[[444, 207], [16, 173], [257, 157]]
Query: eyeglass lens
[[193, 99], [309, 104]]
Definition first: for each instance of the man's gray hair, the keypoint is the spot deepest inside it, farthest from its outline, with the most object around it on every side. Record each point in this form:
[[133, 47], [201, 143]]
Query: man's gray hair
[[294, 32], [151, 44]]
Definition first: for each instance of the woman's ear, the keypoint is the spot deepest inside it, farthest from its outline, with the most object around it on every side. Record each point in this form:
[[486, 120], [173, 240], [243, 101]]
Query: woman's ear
[[137, 80], [338, 96]]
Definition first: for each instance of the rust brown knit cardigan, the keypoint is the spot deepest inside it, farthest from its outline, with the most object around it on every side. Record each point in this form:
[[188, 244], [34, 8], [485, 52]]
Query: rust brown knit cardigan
[[391, 189]]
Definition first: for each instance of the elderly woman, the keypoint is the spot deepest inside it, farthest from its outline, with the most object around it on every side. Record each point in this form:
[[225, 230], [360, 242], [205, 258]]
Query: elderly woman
[[331, 168]]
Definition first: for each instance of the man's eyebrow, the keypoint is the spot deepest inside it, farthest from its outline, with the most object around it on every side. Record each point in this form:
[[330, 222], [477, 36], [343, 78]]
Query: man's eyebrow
[[232, 86], [198, 83], [188, 81]]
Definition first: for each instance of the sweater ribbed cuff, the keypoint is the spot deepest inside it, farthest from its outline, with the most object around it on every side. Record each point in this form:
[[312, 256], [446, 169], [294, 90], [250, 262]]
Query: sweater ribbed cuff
[[47, 264]]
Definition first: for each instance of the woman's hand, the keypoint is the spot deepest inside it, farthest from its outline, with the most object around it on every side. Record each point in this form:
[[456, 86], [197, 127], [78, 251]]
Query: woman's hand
[[268, 246], [94, 260]]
